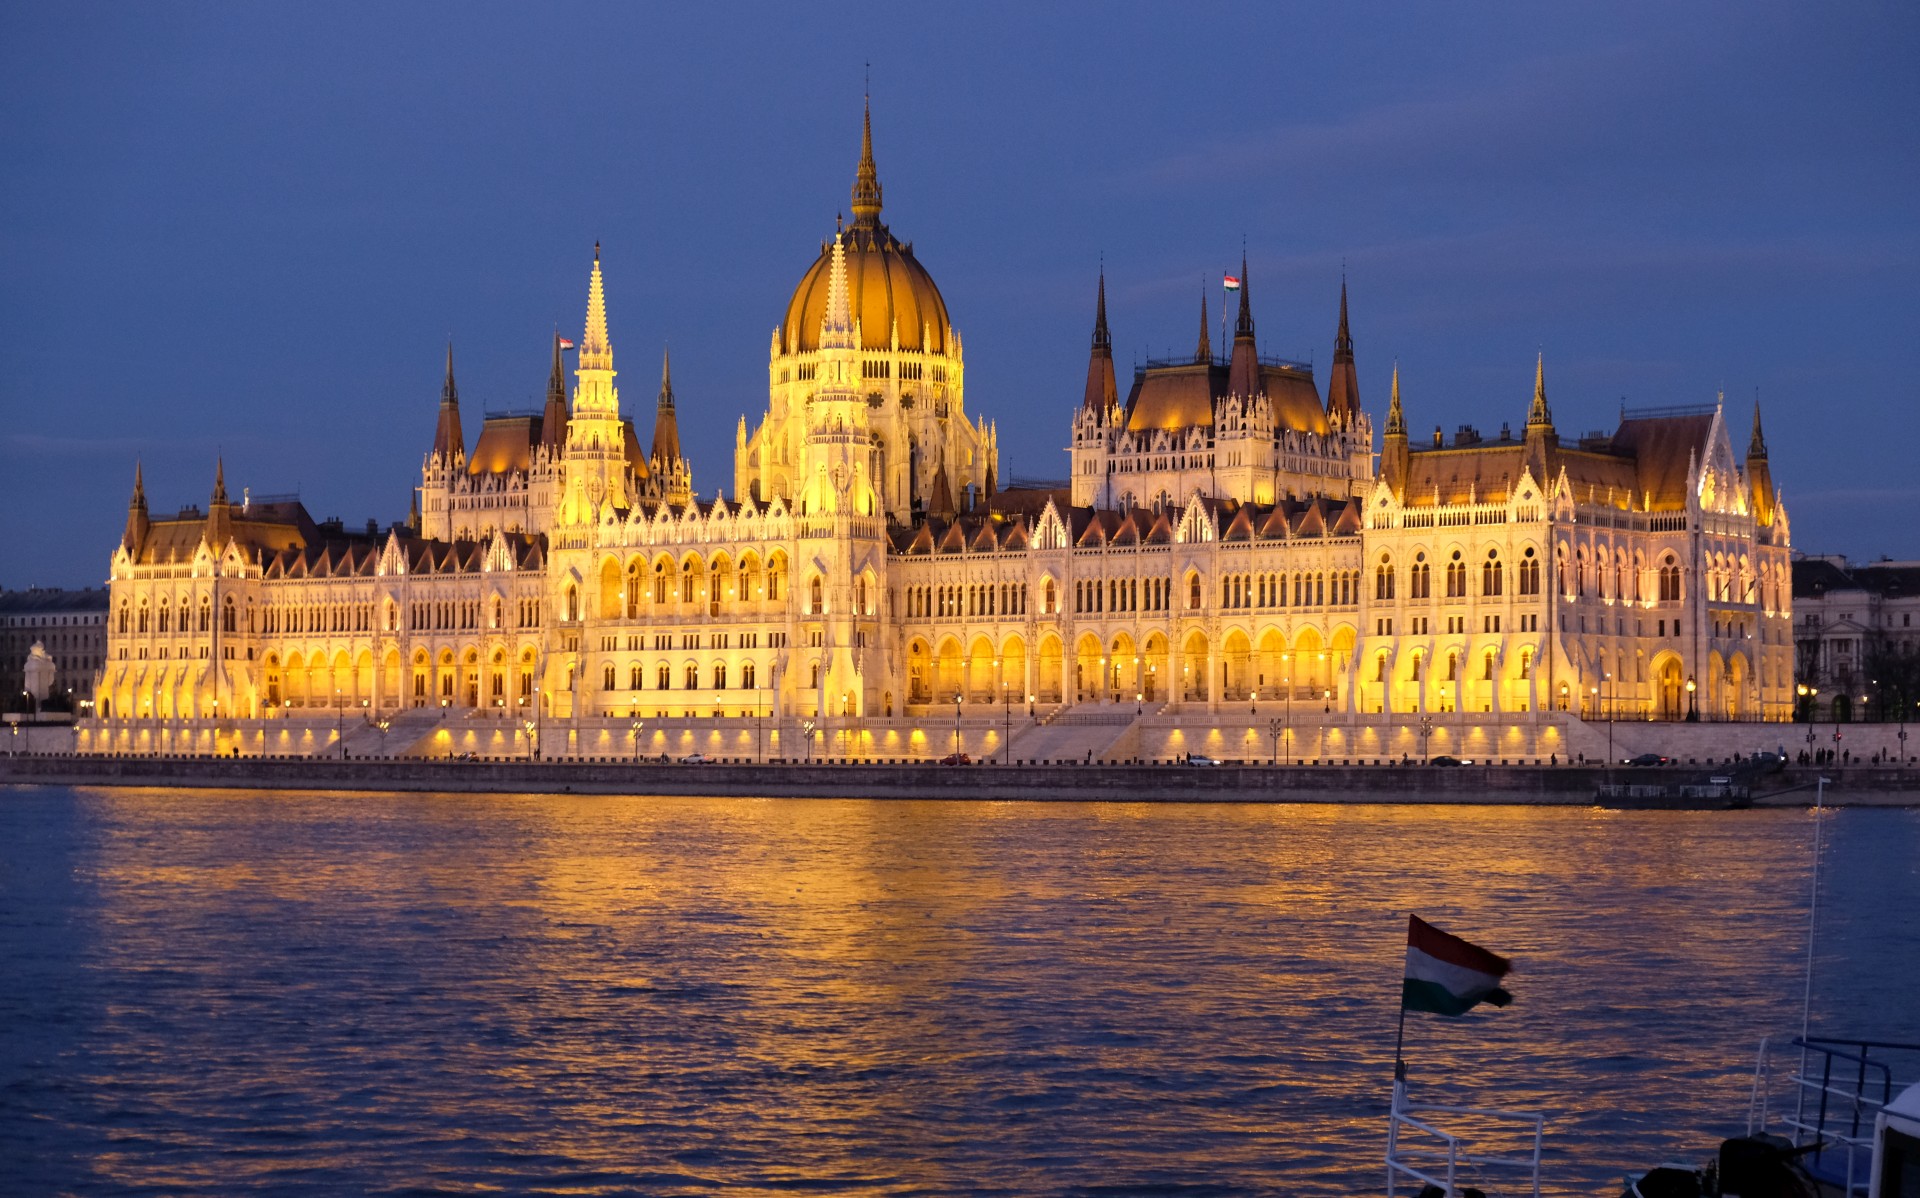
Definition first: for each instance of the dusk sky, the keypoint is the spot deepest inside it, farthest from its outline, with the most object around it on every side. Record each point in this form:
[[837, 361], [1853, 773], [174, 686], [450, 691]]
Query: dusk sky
[[250, 229]]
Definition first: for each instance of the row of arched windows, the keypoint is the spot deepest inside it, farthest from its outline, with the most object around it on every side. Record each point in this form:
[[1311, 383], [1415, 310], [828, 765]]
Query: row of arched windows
[[663, 674]]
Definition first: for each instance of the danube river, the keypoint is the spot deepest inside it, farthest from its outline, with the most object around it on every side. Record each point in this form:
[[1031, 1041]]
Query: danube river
[[307, 994]]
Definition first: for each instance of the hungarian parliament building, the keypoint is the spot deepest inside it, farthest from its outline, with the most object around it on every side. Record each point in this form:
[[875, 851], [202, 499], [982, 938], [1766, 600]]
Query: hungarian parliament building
[[1232, 537]]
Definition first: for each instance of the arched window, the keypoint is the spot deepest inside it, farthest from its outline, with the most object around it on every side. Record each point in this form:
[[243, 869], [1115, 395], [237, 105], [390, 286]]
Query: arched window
[[633, 678], [1048, 602], [720, 676], [693, 677], [860, 596], [229, 617], [573, 603], [606, 678], [686, 583], [816, 597], [660, 582], [746, 676], [663, 677], [1492, 577], [1669, 582], [1456, 577], [1529, 572], [1453, 667], [1420, 579], [166, 618], [1193, 592], [123, 615]]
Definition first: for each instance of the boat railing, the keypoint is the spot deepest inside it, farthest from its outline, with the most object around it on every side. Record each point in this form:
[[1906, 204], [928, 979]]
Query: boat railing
[[1832, 1090], [1420, 1152]]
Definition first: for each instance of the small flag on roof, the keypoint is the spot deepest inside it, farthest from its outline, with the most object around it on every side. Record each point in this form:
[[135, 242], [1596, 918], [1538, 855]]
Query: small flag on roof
[[1447, 975], [1231, 283], [565, 344]]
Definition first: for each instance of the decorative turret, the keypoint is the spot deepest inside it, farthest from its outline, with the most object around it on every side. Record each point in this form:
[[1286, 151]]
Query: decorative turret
[[940, 501], [1203, 352], [1103, 394], [1243, 374], [1393, 448], [448, 442], [866, 181], [1759, 474], [1343, 384], [553, 421], [138, 523], [1542, 443]]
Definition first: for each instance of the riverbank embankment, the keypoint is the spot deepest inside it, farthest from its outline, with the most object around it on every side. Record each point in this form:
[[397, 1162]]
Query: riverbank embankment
[[1515, 784]]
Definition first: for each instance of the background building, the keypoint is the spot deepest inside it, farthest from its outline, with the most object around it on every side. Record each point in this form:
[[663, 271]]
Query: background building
[[1857, 639], [72, 625]]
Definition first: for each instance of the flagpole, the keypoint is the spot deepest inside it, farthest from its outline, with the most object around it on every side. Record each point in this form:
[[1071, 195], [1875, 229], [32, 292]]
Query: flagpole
[[1399, 1040]]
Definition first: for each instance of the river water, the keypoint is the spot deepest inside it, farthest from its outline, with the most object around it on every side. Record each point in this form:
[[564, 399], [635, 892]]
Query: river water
[[408, 994]]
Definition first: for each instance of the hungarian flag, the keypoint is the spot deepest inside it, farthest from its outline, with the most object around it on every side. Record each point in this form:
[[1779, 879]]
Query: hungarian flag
[[1230, 283], [1448, 976], [565, 344]]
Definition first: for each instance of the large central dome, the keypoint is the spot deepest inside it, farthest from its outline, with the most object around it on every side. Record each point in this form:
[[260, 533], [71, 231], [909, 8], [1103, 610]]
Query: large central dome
[[885, 283]]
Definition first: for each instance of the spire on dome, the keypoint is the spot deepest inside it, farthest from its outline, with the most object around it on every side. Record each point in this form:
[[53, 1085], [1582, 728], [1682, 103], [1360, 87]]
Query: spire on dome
[[866, 180], [596, 352], [1539, 415], [1103, 393], [448, 441], [1343, 383], [553, 421], [666, 424], [1204, 351]]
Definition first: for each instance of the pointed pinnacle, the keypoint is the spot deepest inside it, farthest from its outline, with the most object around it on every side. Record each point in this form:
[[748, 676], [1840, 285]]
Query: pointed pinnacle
[[449, 394], [1244, 326], [1204, 351], [1101, 339], [666, 378]]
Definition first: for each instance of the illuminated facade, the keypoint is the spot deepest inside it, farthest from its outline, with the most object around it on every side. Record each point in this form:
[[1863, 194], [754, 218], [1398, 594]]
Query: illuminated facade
[[1228, 538]]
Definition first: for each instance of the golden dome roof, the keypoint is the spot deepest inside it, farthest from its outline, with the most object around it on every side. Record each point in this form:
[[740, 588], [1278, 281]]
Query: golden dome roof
[[885, 283]]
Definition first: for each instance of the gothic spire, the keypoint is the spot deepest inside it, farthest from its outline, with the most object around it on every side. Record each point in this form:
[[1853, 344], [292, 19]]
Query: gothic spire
[[219, 511], [1100, 338], [1243, 371], [1102, 391], [553, 421], [1204, 351], [596, 352], [219, 481], [866, 181], [1343, 383], [448, 441], [1539, 415], [836, 323], [137, 521], [1757, 448], [1243, 327], [1396, 419], [666, 424]]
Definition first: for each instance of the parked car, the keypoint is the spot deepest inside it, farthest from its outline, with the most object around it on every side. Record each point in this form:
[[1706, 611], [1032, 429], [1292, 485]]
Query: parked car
[[1647, 759], [1197, 759], [956, 759], [696, 759], [1444, 760]]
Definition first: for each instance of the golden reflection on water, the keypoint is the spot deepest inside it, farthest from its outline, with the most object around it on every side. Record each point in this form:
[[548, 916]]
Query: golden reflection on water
[[326, 992]]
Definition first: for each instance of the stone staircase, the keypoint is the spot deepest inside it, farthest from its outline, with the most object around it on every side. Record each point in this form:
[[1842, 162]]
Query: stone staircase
[[1071, 733], [406, 731]]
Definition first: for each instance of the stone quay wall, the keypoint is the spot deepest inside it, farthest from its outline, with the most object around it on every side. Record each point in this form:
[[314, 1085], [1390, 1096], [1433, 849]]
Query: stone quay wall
[[1540, 785]]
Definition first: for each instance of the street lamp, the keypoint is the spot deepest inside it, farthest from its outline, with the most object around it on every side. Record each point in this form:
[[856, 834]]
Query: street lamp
[[636, 740], [806, 728], [956, 722], [1426, 731], [1006, 714], [339, 724], [1693, 713]]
